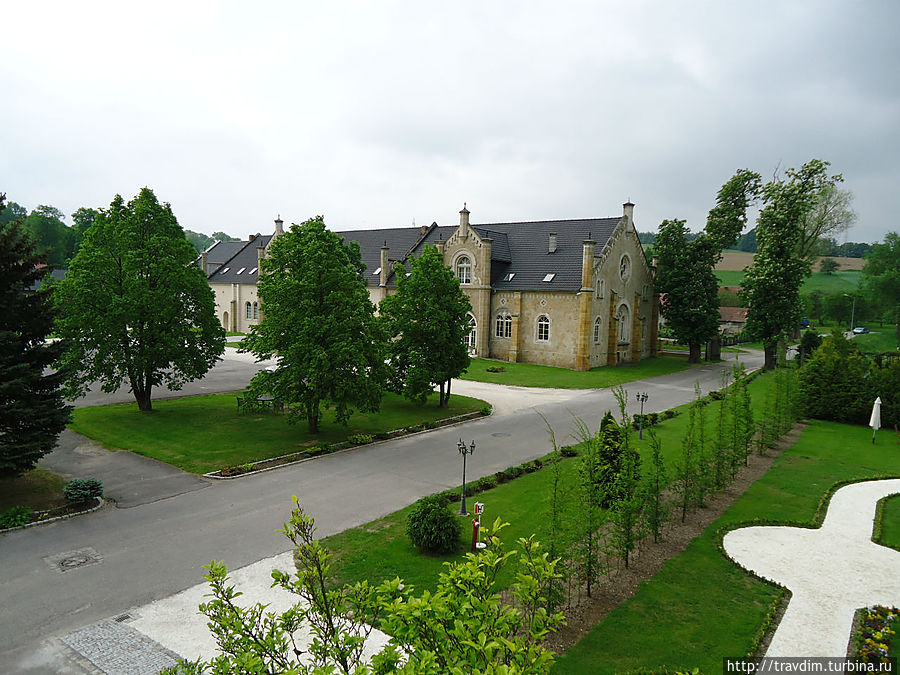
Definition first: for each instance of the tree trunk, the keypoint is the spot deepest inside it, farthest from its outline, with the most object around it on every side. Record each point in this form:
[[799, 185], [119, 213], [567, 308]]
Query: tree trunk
[[441, 397], [771, 356], [446, 400], [312, 417], [142, 396], [694, 354]]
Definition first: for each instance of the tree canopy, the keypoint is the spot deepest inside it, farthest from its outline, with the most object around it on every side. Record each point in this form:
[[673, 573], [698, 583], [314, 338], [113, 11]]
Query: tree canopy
[[686, 277], [32, 409], [772, 283], [319, 322], [427, 322], [881, 276], [133, 307]]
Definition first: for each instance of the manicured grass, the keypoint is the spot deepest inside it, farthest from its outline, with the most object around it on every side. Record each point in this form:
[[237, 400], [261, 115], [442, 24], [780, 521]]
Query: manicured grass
[[890, 523], [205, 433], [730, 277], [531, 375], [881, 339], [700, 608], [381, 549], [38, 489]]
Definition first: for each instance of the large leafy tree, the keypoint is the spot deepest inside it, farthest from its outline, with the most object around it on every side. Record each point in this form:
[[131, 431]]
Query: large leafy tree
[[772, 283], [133, 307], [82, 219], [686, 277], [55, 239], [832, 214], [881, 276], [427, 322], [32, 409], [319, 322]]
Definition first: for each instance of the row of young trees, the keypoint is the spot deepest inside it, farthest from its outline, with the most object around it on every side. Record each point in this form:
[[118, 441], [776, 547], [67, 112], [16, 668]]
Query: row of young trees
[[600, 514]]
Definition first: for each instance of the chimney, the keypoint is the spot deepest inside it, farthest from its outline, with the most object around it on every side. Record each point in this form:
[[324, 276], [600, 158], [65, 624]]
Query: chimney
[[252, 237], [464, 222], [385, 266], [204, 262], [628, 210], [423, 230], [278, 223], [587, 263], [552, 246], [440, 242], [260, 254]]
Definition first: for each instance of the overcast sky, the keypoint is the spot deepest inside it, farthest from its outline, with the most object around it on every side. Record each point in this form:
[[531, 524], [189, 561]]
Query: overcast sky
[[378, 114]]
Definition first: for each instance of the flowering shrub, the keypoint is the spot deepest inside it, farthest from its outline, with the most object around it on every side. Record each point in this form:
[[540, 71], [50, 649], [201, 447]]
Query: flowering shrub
[[874, 637]]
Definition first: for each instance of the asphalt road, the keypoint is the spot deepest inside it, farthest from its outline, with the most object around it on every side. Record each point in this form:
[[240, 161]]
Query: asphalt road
[[168, 525]]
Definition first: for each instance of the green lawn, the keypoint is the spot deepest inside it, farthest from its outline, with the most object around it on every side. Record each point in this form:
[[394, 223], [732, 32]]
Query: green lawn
[[881, 339], [205, 433], [531, 375], [381, 549], [699, 607], [839, 282], [37, 489], [890, 523]]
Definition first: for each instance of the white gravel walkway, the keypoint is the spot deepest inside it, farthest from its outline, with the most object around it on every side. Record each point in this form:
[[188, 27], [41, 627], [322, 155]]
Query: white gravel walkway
[[831, 571]]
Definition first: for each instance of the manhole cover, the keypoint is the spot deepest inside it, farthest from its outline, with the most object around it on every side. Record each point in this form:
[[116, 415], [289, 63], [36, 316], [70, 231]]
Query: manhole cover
[[70, 560], [500, 434]]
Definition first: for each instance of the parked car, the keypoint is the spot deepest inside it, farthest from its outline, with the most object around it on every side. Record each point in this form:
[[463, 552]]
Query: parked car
[[859, 330]]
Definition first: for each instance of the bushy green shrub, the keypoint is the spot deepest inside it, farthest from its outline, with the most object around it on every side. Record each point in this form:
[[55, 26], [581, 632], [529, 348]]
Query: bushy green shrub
[[15, 517], [83, 489], [485, 410], [495, 369], [360, 439], [432, 527], [486, 483], [568, 451], [318, 449], [512, 472], [833, 383]]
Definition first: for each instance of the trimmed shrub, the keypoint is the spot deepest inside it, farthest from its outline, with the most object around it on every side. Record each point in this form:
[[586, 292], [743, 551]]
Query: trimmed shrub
[[360, 439], [495, 369], [83, 489], [15, 517], [485, 410], [512, 472], [431, 526]]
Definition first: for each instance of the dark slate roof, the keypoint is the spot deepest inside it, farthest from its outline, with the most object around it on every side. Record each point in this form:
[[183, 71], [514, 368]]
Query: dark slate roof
[[56, 275], [244, 260], [518, 248], [221, 251]]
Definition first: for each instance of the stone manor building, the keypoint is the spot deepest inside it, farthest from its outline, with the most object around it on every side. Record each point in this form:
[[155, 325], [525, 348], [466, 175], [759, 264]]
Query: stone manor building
[[571, 293]]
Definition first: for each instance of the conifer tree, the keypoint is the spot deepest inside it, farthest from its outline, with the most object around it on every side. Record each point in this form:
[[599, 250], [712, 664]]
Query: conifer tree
[[32, 410]]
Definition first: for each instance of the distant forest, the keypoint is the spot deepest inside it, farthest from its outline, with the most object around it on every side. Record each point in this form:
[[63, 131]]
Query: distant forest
[[747, 243]]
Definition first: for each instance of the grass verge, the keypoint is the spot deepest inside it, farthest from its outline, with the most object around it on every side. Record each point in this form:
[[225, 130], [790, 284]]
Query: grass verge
[[700, 606], [37, 489], [532, 375], [205, 433]]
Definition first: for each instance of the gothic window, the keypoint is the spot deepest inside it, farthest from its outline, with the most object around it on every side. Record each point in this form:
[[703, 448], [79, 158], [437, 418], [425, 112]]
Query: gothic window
[[599, 288], [623, 317], [464, 270], [597, 331], [255, 310], [249, 310], [625, 267], [543, 328], [472, 334], [503, 328]]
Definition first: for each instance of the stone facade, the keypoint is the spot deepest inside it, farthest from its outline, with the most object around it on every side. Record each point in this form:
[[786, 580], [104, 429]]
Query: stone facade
[[576, 294]]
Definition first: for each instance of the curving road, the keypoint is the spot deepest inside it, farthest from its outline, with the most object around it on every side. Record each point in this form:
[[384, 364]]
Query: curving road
[[167, 525]]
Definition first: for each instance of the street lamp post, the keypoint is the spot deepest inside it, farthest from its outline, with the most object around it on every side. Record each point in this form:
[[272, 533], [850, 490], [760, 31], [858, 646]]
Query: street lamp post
[[464, 451], [852, 310], [642, 398]]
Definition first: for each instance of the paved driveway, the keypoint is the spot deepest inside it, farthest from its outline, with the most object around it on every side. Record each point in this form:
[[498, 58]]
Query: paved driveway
[[175, 524]]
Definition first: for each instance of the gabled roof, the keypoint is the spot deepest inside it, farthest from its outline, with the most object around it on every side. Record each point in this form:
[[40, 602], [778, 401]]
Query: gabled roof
[[241, 266], [733, 314], [521, 249]]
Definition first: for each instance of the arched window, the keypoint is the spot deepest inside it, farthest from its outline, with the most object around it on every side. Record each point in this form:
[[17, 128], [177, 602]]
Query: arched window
[[471, 336], [255, 310], [249, 311], [597, 331], [623, 316], [599, 288], [543, 328], [504, 325], [464, 270]]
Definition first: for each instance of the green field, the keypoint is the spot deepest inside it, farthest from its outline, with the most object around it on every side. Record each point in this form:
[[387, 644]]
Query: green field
[[531, 375], [205, 433], [881, 339], [700, 606], [839, 282]]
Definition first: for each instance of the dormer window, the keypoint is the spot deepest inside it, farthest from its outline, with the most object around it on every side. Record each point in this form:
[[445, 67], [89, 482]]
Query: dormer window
[[509, 277], [225, 270], [548, 277], [253, 271], [376, 272], [241, 271], [464, 270]]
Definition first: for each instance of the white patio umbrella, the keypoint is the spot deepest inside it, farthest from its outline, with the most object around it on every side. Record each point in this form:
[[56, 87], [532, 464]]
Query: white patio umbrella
[[875, 420]]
